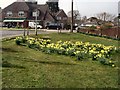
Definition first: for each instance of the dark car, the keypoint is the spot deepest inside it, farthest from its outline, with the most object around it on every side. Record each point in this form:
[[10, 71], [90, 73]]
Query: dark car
[[69, 27], [54, 26], [4, 25]]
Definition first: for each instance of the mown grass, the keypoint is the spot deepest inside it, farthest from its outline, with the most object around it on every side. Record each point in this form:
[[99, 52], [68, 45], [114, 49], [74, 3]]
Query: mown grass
[[79, 37], [27, 68]]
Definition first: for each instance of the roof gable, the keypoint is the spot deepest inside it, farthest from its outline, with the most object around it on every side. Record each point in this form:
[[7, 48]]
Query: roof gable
[[45, 14], [48, 16], [61, 13]]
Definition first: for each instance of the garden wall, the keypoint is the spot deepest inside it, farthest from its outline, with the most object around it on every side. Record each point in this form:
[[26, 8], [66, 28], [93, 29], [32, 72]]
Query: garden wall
[[112, 32]]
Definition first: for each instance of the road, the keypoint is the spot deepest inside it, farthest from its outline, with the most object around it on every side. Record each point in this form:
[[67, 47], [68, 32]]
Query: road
[[12, 33]]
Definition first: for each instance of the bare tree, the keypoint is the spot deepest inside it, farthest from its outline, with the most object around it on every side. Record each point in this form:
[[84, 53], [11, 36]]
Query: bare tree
[[76, 14], [105, 16], [76, 17]]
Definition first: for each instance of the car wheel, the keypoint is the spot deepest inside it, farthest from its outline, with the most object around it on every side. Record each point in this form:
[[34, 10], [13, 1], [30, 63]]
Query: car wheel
[[47, 27]]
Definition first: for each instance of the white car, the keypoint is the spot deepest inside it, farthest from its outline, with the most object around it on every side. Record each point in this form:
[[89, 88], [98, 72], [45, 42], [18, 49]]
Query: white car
[[33, 25], [39, 26]]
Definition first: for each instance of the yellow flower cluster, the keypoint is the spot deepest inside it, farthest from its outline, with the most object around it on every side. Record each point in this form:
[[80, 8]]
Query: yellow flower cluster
[[78, 49]]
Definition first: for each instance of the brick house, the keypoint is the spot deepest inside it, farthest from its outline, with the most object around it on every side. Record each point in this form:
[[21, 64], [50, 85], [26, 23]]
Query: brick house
[[21, 13], [61, 17]]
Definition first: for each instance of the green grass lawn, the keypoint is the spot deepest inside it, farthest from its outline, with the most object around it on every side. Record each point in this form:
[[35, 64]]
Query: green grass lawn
[[26, 68]]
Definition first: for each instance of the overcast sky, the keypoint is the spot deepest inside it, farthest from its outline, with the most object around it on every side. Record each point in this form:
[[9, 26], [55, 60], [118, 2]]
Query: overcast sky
[[85, 7]]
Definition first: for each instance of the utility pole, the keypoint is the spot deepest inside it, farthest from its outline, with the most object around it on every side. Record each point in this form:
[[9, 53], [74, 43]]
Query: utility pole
[[119, 19], [72, 17], [118, 29], [104, 16], [36, 23]]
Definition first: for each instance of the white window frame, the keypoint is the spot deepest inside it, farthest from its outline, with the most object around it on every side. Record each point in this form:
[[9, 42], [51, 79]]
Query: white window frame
[[9, 13], [59, 18], [34, 13], [21, 13]]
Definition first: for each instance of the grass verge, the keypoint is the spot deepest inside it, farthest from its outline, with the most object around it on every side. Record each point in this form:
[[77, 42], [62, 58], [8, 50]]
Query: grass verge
[[27, 68]]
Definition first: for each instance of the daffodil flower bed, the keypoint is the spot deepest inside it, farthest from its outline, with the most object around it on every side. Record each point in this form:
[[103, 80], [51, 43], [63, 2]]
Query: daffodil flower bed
[[80, 50]]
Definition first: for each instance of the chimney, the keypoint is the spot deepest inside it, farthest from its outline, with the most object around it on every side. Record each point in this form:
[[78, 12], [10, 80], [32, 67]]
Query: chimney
[[32, 1], [53, 5]]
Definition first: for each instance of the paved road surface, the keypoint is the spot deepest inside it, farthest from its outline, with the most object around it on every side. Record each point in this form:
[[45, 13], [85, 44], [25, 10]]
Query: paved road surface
[[12, 33]]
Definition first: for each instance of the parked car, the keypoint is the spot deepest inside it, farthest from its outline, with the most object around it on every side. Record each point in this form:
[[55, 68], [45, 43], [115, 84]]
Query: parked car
[[88, 25], [80, 27], [54, 26], [69, 27], [4, 25], [33, 25]]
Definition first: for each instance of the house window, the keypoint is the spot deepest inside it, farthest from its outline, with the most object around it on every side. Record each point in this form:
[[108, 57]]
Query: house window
[[64, 18], [58, 18], [36, 13], [9, 13], [21, 13]]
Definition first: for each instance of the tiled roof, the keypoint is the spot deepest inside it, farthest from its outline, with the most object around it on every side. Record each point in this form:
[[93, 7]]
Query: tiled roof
[[61, 13], [48, 16], [44, 10], [17, 6]]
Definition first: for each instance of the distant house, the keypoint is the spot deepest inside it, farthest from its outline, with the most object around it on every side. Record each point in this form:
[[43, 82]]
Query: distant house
[[116, 21], [92, 21], [20, 13], [61, 17]]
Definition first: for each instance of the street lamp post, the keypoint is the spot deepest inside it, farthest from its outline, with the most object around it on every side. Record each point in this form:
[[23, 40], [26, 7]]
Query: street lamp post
[[72, 17]]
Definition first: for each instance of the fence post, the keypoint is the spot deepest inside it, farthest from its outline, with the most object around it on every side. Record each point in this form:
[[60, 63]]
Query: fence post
[[27, 32], [24, 32]]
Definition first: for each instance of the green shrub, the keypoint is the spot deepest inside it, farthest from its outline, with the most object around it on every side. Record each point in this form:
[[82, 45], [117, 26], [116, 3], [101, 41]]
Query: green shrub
[[106, 26], [19, 40], [92, 27]]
